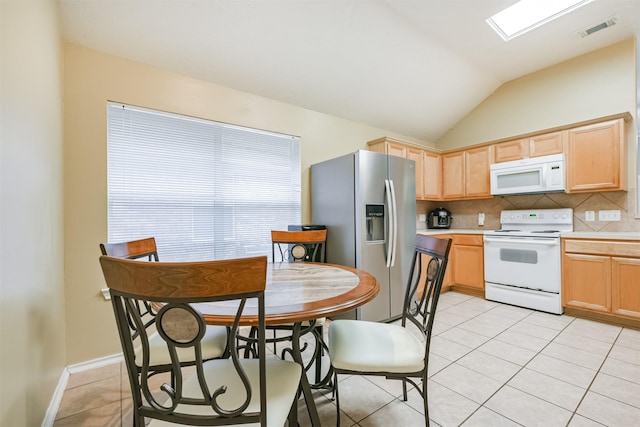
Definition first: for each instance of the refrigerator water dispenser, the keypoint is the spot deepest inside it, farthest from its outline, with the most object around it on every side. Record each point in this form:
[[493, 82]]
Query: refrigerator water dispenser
[[375, 223]]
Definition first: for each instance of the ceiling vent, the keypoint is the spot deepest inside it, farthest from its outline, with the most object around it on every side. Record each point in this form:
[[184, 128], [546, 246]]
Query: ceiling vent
[[609, 22]]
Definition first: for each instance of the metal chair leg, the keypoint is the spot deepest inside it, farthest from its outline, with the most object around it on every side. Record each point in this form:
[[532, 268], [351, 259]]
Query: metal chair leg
[[335, 397]]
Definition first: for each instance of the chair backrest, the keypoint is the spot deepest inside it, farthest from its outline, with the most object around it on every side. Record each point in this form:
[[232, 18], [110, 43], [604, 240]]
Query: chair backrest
[[293, 246], [173, 286], [425, 283], [135, 249], [132, 250]]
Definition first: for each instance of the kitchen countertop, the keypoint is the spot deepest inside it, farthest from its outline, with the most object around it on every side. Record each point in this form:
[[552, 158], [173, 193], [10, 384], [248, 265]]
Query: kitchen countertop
[[600, 235], [436, 231]]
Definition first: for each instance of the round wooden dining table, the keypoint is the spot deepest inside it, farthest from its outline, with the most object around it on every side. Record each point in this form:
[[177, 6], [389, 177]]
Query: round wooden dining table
[[298, 292]]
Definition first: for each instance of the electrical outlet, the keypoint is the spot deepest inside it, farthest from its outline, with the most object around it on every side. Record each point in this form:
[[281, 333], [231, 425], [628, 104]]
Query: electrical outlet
[[590, 216], [481, 218], [422, 217], [105, 293], [609, 215]]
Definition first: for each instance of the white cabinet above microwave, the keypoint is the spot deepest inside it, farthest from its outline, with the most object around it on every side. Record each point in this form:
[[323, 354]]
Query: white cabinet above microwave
[[543, 174]]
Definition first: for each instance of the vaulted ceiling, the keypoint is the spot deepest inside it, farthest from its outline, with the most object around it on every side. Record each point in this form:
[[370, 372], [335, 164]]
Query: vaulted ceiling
[[415, 67]]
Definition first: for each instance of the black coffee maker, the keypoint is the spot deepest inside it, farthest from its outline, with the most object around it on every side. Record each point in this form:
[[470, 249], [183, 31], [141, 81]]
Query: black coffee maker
[[439, 218]]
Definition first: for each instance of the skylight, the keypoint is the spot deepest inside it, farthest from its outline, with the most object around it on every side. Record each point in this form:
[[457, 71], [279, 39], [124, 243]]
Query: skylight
[[526, 15]]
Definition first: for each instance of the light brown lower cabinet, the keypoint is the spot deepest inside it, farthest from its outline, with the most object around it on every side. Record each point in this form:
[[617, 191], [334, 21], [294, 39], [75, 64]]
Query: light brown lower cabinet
[[587, 280], [602, 277], [447, 274], [625, 289], [465, 268]]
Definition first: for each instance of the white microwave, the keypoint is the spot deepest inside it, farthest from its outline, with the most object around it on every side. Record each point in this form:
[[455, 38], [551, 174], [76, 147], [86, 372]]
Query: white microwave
[[543, 174]]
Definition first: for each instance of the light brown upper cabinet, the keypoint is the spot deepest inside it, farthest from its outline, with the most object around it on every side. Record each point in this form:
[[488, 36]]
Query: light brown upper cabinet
[[416, 155], [476, 168], [453, 175], [534, 146], [596, 157], [510, 150], [546, 144], [432, 173], [388, 146], [396, 149], [594, 161], [465, 174], [428, 165]]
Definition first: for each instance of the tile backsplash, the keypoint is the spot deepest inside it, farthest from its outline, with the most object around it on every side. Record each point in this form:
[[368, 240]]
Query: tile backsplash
[[465, 212]]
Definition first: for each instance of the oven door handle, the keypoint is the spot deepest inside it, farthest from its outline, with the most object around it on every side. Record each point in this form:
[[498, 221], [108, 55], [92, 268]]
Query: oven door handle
[[545, 242]]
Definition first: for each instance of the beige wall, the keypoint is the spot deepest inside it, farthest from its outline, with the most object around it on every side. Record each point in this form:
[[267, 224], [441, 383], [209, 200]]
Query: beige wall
[[32, 328], [593, 85], [37, 284], [92, 79], [597, 84], [33, 331]]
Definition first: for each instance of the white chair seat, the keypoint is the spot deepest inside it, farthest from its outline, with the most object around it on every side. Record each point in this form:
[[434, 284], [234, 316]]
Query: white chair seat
[[214, 344], [282, 377], [363, 346]]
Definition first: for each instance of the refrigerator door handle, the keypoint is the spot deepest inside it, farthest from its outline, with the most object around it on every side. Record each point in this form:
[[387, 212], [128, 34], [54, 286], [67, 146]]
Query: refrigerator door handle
[[394, 218], [387, 184]]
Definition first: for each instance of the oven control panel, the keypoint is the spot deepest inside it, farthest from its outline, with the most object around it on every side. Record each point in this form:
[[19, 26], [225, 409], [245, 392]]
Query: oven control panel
[[547, 216], [562, 218]]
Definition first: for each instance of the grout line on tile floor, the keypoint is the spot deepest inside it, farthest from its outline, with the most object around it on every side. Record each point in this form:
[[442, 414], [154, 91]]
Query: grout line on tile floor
[[530, 317], [505, 383]]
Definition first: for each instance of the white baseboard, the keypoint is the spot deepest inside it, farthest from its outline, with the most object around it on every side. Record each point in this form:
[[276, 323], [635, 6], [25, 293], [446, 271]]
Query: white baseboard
[[95, 363], [52, 410], [54, 405]]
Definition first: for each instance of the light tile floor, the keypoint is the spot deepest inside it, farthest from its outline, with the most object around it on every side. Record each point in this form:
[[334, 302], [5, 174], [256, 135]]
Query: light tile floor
[[491, 365]]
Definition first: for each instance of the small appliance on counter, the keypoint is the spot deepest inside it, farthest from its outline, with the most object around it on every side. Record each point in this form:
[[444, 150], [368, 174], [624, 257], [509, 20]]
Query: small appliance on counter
[[439, 218]]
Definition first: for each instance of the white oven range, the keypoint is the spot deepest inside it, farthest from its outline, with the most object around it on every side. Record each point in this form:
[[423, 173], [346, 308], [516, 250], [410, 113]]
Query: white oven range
[[522, 260]]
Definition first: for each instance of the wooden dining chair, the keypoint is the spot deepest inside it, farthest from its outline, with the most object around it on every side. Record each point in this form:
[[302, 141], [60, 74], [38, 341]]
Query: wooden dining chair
[[214, 342], [218, 392], [396, 351], [134, 249], [296, 246], [302, 246]]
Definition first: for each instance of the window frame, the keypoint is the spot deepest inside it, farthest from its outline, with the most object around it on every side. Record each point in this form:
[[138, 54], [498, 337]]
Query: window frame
[[251, 184]]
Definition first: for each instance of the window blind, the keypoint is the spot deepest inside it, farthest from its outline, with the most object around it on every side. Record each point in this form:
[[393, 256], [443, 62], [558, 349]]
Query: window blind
[[205, 190]]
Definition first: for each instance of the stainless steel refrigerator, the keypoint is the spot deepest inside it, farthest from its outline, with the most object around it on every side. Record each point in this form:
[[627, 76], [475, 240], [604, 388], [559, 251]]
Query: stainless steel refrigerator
[[367, 201]]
